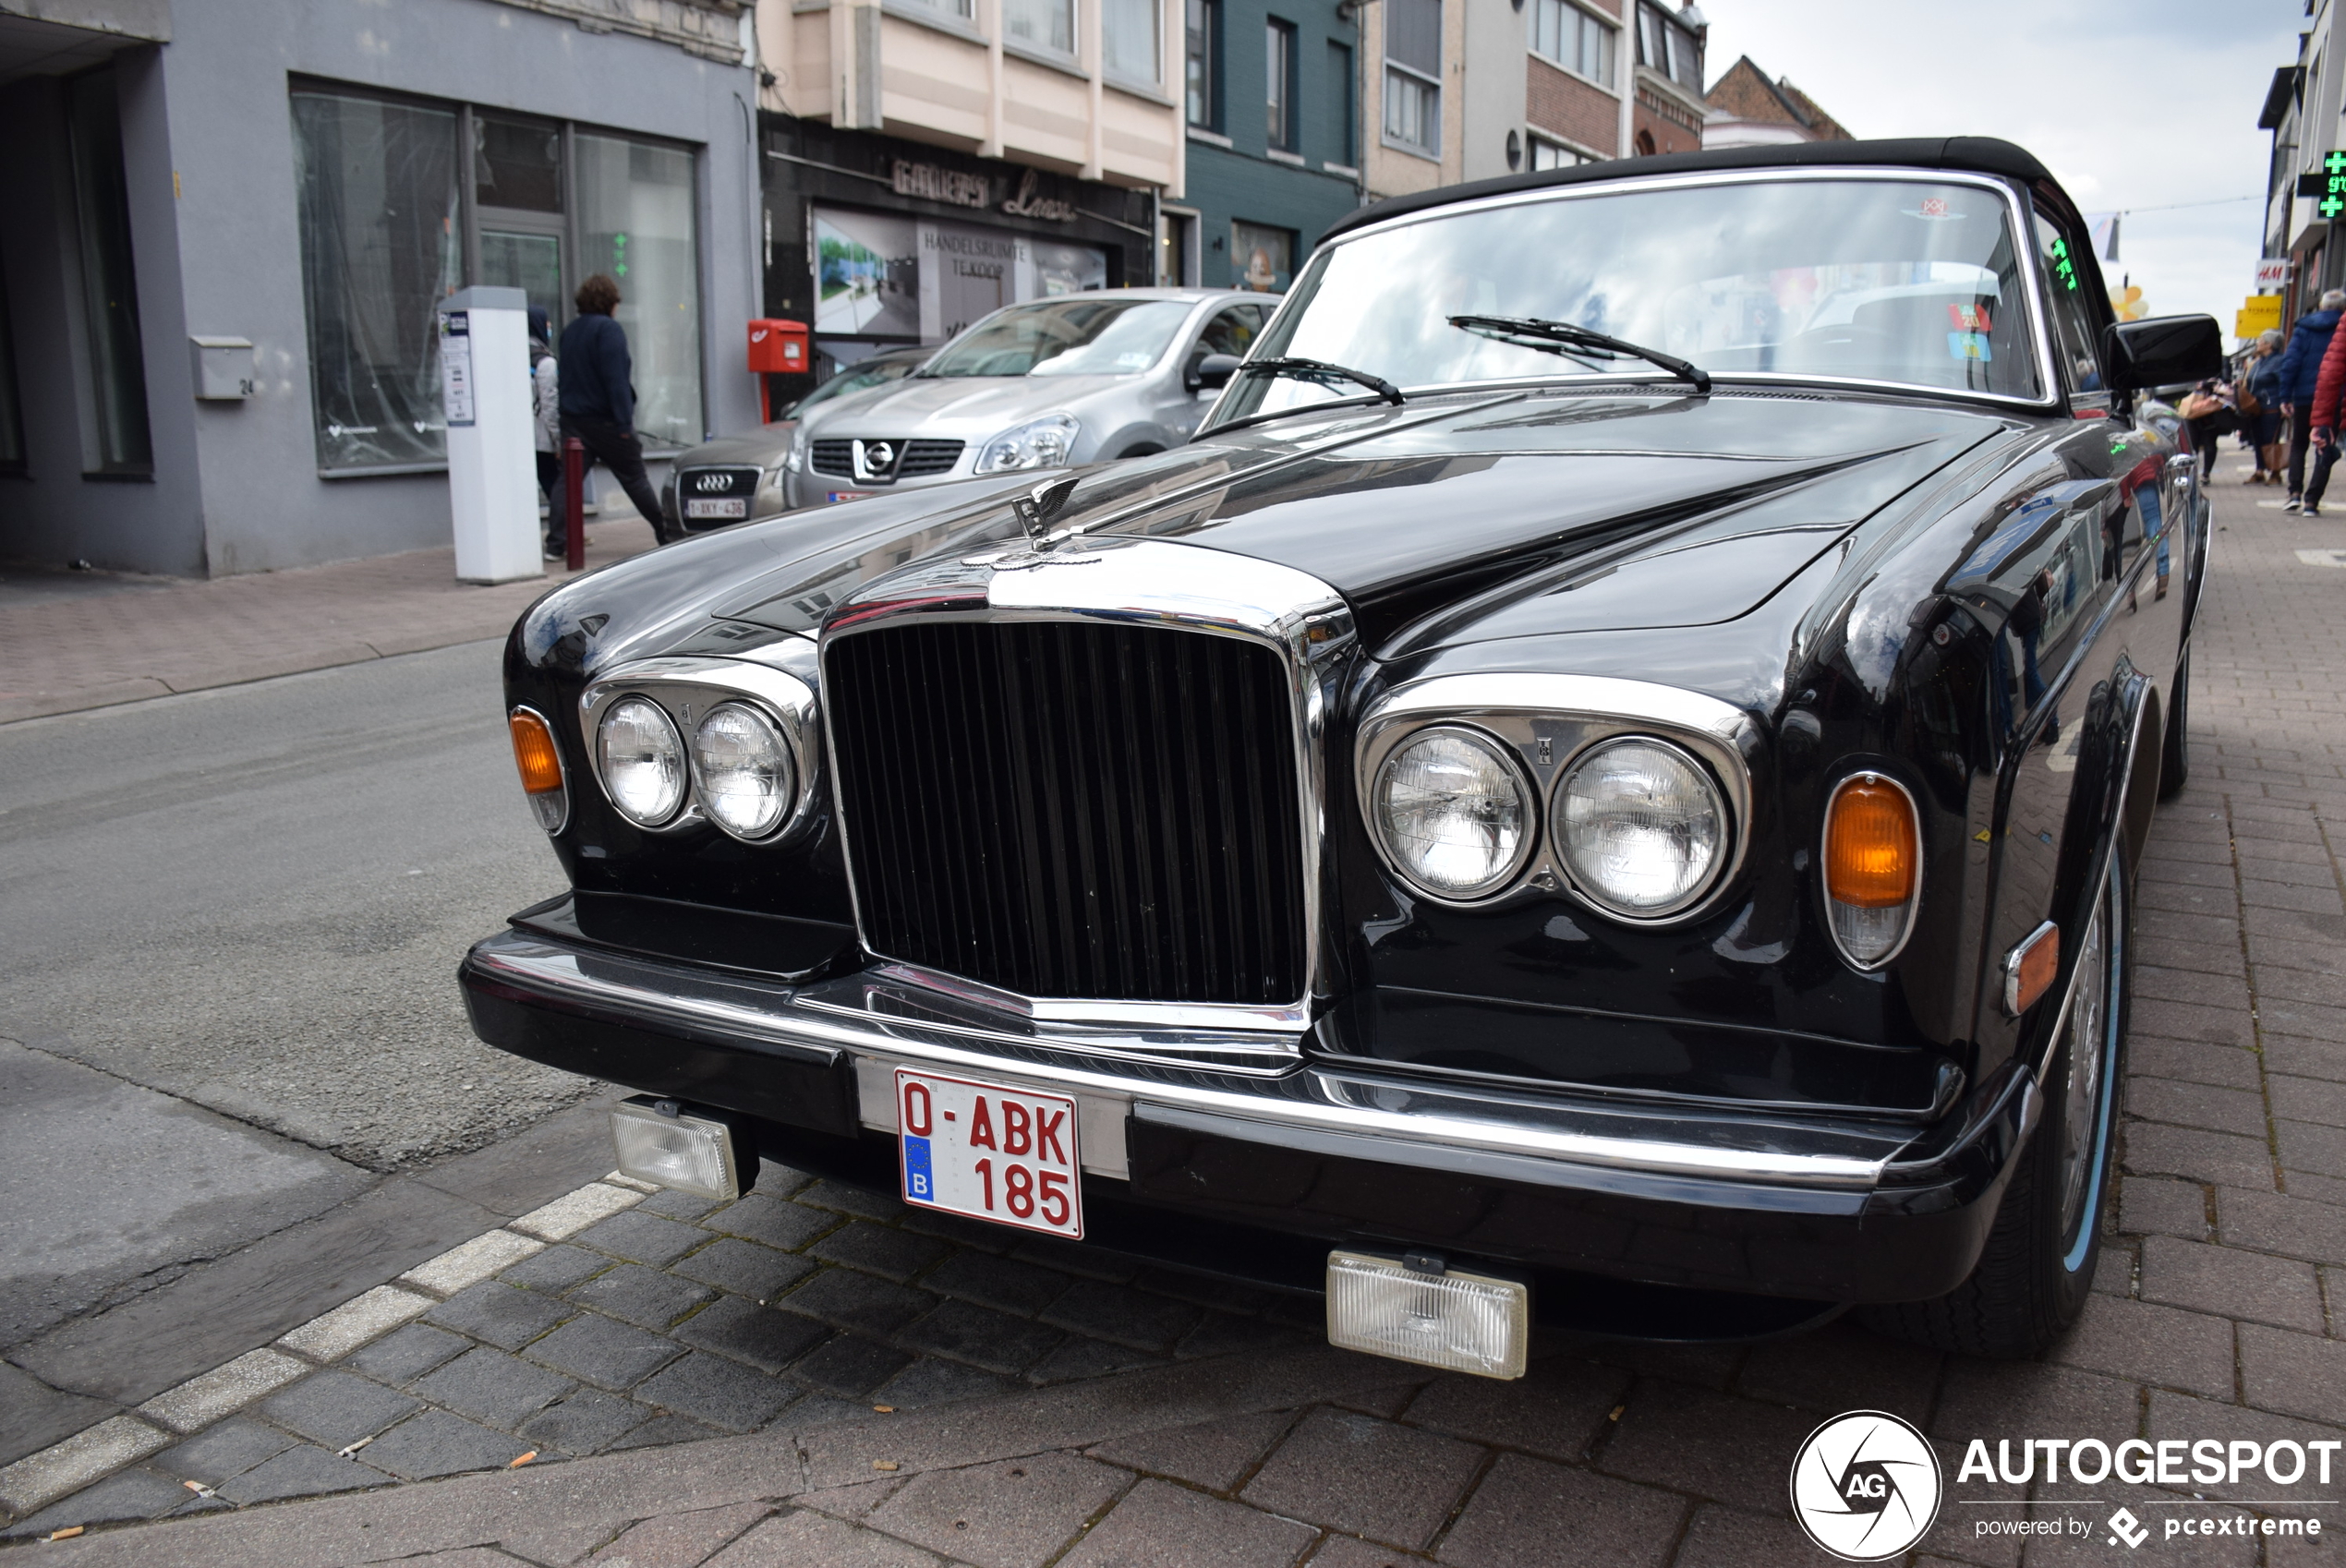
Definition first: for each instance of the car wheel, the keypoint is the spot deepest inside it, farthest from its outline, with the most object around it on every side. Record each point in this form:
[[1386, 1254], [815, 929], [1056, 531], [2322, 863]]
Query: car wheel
[[2038, 1268], [2174, 746]]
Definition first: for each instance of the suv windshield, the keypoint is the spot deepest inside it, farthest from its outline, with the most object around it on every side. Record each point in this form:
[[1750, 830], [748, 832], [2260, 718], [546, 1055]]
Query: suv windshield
[[1065, 337], [1866, 279]]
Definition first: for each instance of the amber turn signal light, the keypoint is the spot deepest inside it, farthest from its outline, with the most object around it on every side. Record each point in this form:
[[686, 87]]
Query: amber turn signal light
[[1872, 851], [534, 753], [2030, 968]]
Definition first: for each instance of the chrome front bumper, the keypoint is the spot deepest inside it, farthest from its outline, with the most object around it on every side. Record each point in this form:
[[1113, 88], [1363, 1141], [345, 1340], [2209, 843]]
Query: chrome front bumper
[[1233, 1086]]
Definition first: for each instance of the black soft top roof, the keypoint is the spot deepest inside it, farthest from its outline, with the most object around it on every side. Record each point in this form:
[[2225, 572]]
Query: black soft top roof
[[1979, 155]]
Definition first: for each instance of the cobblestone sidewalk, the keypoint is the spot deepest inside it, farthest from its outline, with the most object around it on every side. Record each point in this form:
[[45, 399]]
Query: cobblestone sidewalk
[[2216, 1316], [70, 643]]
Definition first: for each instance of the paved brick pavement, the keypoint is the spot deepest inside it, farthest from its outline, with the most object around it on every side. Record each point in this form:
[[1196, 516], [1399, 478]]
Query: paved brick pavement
[[2214, 1315], [89, 642]]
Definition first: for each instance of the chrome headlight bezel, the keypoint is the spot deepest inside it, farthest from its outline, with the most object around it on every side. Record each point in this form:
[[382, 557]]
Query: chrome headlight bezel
[[781, 691], [1583, 881], [1548, 724], [1527, 803], [702, 791]]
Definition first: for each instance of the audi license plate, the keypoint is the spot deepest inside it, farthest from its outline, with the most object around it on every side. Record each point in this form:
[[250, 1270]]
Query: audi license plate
[[731, 506], [990, 1152]]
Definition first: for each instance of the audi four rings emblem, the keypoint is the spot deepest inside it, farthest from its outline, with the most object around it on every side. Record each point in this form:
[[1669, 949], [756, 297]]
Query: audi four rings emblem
[[713, 482]]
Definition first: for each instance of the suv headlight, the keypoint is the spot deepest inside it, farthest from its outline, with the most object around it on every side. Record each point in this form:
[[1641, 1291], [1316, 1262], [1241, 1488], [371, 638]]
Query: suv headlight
[[747, 780], [1038, 443], [1452, 813], [1640, 827], [643, 761]]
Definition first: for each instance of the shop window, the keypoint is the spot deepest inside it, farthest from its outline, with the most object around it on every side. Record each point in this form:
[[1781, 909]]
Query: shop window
[[386, 234], [1413, 74], [1336, 106], [636, 222], [1562, 33], [1262, 258], [1278, 53], [1040, 24], [11, 407], [118, 444], [379, 247], [1130, 32], [1205, 63]]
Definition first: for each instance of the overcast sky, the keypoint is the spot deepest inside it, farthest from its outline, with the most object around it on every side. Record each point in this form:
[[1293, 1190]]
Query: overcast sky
[[2138, 105]]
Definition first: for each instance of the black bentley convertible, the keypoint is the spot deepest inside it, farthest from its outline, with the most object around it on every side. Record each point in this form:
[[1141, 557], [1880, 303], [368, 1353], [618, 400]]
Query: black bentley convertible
[[1601, 788]]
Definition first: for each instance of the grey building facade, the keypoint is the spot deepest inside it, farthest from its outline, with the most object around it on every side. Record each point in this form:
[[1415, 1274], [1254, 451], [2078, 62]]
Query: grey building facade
[[308, 177]]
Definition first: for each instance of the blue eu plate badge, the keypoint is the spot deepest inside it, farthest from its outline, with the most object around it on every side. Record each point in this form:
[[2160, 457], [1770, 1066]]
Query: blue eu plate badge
[[918, 1183]]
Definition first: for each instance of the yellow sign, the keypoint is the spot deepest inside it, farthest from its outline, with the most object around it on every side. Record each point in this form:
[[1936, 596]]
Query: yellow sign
[[2127, 303], [2264, 308]]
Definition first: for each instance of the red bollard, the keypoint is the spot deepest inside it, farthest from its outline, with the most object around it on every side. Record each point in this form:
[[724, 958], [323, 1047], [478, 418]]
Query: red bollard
[[574, 503]]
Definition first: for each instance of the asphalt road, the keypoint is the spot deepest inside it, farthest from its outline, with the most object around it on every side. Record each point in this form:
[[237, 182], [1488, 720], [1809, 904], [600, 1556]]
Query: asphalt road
[[229, 925]]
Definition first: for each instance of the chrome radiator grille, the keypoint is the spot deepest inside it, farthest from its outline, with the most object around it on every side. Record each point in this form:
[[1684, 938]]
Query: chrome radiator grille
[[1071, 809]]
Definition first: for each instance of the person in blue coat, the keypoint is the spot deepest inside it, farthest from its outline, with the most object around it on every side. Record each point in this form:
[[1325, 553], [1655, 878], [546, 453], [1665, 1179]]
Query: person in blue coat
[[597, 396], [2301, 369]]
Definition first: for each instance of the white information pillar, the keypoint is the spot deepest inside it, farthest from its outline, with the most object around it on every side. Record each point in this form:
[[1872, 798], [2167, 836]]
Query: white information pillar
[[492, 465]]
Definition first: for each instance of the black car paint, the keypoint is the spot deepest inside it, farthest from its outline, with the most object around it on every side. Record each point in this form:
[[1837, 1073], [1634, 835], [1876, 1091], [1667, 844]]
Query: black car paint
[[1841, 565]]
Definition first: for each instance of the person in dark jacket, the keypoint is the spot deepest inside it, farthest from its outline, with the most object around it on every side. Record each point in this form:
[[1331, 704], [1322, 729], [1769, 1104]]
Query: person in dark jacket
[[2300, 368], [2263, 381], [599, 398]]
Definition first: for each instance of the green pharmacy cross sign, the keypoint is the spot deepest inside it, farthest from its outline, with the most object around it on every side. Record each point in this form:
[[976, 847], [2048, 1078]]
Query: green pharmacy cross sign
[[2333, 200], [2063, 268], [619, 252]]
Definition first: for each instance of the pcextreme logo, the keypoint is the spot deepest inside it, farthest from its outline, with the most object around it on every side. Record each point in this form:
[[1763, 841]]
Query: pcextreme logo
[[1866, 1486]]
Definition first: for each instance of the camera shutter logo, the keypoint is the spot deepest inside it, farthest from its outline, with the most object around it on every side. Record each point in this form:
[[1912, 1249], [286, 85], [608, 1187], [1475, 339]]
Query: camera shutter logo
[[1866, 1486]]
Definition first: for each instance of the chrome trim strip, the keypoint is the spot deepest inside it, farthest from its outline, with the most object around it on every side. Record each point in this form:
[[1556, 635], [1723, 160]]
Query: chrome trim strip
[[1550, 721], [785, 698], [1147, 583], [2022, 231], [1575, 1142], [560, 764], [1824, 837]]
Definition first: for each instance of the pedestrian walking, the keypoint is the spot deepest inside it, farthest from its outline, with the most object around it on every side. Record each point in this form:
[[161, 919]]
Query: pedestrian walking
[[2261, 388], [2321, 418], [546, 428], [2300, 368], [598, 396]]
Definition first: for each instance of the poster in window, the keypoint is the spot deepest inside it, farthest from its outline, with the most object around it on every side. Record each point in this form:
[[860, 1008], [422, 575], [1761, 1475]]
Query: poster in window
[[965, 272], [868, 274], [1262, 258]]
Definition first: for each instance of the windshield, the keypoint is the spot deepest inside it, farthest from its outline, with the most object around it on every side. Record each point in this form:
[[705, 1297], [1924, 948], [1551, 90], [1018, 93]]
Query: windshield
[[1065, 337], [854, 379], [1900, 280]]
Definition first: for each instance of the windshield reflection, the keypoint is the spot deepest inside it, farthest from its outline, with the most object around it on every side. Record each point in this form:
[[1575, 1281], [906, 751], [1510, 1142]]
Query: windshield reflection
[[1079, 337], [1906, 281]]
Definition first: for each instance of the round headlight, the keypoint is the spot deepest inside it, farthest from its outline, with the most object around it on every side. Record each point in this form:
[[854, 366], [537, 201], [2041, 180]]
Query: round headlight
[[1640, 826], [1452, 813], [747, 780], [643, 761]]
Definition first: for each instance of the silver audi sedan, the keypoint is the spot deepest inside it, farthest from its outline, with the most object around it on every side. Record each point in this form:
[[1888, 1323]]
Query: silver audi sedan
[[1050, 383]]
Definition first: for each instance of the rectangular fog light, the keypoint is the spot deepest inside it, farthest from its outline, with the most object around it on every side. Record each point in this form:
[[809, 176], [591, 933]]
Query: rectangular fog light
[[1463, 1322], [663, 1143]]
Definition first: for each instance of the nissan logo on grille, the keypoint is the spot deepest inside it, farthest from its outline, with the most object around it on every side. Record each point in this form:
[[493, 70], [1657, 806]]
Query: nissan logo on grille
[[876, 460]]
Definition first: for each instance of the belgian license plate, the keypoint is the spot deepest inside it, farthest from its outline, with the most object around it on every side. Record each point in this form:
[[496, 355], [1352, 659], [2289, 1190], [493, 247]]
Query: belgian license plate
[[736, 506], [838, 496], [990, 1152]]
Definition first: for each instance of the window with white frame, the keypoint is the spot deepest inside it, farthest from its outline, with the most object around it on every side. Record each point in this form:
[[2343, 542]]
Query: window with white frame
[[1040, 24], [1555, 155], [1562, 33], [1413, 74], [1129, 32], [1667, 45]]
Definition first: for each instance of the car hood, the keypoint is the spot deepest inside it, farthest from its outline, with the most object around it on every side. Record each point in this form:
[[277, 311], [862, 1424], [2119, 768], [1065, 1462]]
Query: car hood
[[973, 407], [761, 448], [1508, 515]]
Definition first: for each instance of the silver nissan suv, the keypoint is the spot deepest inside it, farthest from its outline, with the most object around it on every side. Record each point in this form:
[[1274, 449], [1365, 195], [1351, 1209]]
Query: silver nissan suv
[[1050, 383]]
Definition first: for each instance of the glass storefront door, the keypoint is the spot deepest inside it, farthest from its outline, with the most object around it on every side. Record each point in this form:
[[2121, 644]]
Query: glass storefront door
[[530, 262]]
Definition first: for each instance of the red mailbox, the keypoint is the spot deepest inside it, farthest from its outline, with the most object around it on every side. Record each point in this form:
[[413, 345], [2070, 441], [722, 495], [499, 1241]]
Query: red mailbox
[[777, 348]]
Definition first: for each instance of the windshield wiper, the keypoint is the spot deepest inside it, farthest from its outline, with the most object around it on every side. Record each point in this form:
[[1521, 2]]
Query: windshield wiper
[[1321, 370], [1563, 337]]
